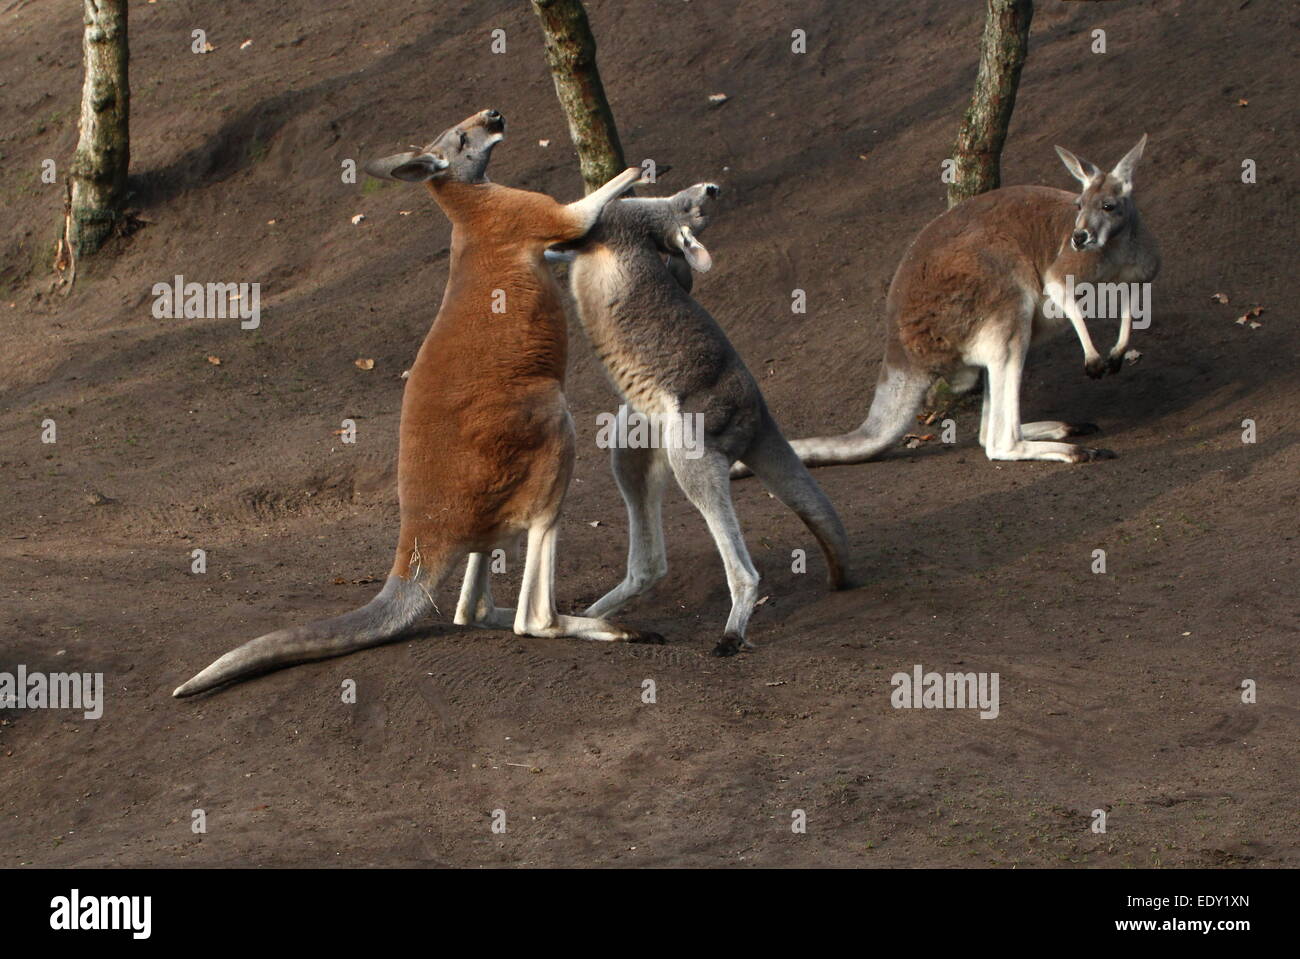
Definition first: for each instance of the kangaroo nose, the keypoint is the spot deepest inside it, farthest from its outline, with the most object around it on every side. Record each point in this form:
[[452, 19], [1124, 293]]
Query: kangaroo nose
[[492, 114], [1080, 239]]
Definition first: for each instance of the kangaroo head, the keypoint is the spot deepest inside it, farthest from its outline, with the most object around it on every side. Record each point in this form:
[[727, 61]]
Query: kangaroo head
[[459, 153], [673, 223], [1106, 204]]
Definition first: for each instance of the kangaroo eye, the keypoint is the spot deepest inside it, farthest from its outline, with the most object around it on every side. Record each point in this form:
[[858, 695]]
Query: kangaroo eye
[[463, 139], [1108, 206]]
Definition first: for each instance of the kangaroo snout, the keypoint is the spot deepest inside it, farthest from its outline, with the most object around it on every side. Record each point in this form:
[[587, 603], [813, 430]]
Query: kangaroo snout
[[493, 120], [1080, 239]]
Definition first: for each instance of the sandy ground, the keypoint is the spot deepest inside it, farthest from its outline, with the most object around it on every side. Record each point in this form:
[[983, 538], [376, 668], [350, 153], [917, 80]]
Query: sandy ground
[[1118, 691]]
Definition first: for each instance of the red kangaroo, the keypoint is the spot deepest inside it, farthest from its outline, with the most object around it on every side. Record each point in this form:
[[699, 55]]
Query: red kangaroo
[[486, 440]]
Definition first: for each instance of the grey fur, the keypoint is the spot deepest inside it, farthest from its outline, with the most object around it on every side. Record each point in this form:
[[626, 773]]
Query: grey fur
[[397, 607], [664, 352]]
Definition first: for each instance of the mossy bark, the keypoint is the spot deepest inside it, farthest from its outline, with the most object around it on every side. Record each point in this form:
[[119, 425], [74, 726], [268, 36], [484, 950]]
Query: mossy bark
[[571, 55], [99, 166], [978, 151]]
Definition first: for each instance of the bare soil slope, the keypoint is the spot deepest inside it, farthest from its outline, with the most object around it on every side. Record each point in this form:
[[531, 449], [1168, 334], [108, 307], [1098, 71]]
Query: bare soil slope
[[1118, 691]]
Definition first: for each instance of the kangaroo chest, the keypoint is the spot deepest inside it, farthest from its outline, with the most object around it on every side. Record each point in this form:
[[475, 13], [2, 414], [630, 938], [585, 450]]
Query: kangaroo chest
[[626, 348]]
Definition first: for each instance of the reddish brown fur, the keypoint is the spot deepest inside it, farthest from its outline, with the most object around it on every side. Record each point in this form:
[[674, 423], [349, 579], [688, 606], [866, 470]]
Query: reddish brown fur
[[968, 264], [486, 441]]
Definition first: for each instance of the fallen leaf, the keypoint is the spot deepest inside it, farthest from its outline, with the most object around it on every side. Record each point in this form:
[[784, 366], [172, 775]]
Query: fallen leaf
[[543, 143], [1242, 102], [364, 364], [270, 223], [246, 44], [214, 360], [1220, 298], [358, 218], [763, 600], [403, 212], [1132, 356], [594, 522], [718, 98]]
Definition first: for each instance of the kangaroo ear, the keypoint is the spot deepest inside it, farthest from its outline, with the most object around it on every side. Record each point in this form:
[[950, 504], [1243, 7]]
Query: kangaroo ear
[[696, 255], [1124, 168], [1081, 170], [411, 167]]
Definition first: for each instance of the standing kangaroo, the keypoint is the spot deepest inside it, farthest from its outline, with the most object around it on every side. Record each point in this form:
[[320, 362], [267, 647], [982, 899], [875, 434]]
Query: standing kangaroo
[[971, 292], [486, 440], [674, 366]]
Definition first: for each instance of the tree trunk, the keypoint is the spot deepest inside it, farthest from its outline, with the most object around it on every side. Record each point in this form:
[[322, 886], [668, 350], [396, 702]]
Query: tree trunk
[[979, 142], [571, 55], [98, 168]]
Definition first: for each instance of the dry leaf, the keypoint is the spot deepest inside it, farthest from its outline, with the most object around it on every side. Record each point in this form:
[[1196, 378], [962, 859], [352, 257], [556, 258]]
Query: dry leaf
[[403, 212], [1247, 317], [763, 600], [1220, 298], [364, 364], [358, 218], [594, 522], [214, 360], [718, 98], [1132, 356], [246, 44], [543, 143], [1242, 102]]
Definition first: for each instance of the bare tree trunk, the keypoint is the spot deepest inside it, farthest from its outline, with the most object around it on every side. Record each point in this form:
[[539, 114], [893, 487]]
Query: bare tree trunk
[[104, 150], [571, 55], [979, 142]]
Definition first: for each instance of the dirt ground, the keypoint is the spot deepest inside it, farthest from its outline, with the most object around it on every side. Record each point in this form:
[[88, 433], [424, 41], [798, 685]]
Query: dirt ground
[[1119, 691]]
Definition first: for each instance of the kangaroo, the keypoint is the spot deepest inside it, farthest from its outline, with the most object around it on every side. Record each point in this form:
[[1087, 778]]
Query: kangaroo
[[486, 440], [977, 286], [674, 366]]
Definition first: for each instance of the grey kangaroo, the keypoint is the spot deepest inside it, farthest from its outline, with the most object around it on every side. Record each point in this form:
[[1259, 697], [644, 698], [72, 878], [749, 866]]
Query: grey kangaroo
[[674, 366], [982, 282]]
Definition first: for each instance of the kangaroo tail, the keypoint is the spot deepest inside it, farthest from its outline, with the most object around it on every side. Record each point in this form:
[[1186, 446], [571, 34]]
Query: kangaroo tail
[[397, 607], [777, 465], [899, 392]]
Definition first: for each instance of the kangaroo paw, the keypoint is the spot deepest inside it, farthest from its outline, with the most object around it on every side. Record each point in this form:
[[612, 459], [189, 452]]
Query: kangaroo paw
[[730, 645]]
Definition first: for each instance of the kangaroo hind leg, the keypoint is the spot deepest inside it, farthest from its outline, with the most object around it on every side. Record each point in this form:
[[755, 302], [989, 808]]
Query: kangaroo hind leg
[[641, 475], [705, 482], [536, 614], [1004, 439], [475, 607]]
